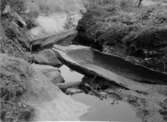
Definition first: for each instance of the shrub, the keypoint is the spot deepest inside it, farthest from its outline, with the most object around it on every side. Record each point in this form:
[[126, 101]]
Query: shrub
[[126, 29], [16, 5]]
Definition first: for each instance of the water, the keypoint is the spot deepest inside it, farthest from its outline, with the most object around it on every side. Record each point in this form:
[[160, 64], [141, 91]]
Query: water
[[99, 110], [53, 16], [70, 75], [48, 25], [105, 111]]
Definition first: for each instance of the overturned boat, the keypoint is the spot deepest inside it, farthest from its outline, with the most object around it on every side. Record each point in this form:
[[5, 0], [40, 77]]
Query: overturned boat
[[113, 68]]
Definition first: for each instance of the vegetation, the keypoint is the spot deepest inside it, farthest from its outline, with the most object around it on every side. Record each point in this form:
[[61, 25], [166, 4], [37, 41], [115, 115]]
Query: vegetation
[[117, 27], [13, 42], [120, 27], [17, 5]]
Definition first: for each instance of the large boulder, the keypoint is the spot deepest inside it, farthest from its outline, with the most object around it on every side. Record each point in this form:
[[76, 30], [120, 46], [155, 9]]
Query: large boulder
[[27, 93], [52, 73], [47, 57]]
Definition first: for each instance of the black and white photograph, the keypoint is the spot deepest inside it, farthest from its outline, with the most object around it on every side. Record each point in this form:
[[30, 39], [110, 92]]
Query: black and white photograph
[[83, 60]]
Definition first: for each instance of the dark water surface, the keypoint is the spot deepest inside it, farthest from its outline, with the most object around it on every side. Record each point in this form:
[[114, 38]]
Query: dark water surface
[[103, 110], [100, 110]]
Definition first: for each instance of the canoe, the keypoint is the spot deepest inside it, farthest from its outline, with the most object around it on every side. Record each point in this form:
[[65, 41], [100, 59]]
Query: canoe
[[113, 68]]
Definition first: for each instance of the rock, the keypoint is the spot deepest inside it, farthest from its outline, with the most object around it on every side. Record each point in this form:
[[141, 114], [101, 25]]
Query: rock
[[26, 93], [47, 57], [49, 102], [15, 74], [49, 40], [52, 73]]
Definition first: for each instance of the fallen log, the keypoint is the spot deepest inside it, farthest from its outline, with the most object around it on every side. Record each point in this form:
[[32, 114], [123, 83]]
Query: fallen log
[[89, 61], [48, 41]]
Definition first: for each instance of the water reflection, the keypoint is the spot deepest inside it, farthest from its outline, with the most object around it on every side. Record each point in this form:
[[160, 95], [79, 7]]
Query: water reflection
[[101, 110], [104, 111]]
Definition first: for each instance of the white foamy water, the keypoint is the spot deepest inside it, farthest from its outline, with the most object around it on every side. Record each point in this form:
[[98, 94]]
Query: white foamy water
[[54, 23], [49, 24], [54, 16]]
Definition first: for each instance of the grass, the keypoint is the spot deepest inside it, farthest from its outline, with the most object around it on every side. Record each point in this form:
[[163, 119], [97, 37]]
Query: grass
[[12, 85], [17, 5], [127, 30]]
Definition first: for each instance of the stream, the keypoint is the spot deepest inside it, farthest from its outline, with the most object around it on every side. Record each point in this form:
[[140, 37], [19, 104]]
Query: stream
[[139, 102], [100, 110], [118, 103], [143, 100], [104, 110]]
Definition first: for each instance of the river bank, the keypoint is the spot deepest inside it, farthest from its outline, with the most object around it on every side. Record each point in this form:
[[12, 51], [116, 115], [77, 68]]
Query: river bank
[[28, 90], [121, 28], [36, 84]]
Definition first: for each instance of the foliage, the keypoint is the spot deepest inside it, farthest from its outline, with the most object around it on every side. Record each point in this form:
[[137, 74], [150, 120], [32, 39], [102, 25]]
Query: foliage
[[127, 29], [17, 5], [14, 75]]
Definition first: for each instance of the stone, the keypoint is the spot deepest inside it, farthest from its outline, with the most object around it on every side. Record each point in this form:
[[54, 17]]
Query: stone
[[47, 57], [52, 73], [15, 74], [30, 95]]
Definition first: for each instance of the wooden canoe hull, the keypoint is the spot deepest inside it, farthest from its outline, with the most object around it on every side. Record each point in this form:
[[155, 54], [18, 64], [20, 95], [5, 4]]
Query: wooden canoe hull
[[113, 68]]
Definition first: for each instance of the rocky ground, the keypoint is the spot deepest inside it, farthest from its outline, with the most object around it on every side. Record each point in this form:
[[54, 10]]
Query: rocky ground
[[28, 90], [116, 27]]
